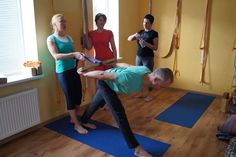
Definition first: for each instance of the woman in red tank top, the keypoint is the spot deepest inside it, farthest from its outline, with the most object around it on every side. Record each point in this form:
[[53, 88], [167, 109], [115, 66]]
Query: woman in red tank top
[[103, 41]]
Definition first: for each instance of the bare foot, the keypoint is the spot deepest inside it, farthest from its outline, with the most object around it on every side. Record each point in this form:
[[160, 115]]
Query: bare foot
[[140, 95], [105, 107], [140, 152], [148, 98], [71, 121], [77, 109], [80, 129], [89, 125]]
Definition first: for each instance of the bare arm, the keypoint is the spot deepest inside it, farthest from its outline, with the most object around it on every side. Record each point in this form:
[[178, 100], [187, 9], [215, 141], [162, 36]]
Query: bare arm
[[133, 37], [123, 65], [59, 56], [153, 47], [83, 70], [101, 75], [88, 43], [113, 47]]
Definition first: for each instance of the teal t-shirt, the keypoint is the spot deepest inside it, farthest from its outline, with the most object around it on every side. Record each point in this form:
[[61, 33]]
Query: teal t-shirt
[[64, 47], [128, 80]]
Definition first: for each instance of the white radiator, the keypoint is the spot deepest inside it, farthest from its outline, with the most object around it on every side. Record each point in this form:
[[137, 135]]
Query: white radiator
[[18, 112]]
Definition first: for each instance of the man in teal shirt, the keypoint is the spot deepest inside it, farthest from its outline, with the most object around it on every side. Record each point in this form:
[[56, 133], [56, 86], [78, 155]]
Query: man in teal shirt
[[124, 79]]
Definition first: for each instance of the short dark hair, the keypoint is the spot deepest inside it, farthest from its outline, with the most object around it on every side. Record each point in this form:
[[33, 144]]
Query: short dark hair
[[100, 15], [164, 74], [149, 17]]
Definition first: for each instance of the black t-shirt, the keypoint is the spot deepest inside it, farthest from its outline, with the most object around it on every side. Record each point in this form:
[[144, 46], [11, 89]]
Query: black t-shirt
[[147, 36]]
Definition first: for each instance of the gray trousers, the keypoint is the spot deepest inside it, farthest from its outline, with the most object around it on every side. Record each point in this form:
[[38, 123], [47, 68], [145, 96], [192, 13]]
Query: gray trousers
[[145, 61]]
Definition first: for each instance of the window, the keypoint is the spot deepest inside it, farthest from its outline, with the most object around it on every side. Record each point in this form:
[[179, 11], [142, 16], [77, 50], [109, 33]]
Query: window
[[18, 35], [111, 9]]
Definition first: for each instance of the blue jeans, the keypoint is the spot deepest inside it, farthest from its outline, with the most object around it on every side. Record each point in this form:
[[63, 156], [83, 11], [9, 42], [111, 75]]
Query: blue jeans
[[148, 62], [145, 61], [105, 95]]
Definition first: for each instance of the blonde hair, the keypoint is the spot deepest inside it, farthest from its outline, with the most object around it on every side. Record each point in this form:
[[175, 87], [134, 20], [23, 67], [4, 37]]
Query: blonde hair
[[54, 20]]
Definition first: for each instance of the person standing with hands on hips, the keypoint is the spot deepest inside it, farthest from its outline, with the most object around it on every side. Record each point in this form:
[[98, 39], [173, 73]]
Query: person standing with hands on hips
[[147, 43], [61, 48]]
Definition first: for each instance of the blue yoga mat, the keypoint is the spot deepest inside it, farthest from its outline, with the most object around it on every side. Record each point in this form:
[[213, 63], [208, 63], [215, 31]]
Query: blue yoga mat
[[187, 110], [108, 139]]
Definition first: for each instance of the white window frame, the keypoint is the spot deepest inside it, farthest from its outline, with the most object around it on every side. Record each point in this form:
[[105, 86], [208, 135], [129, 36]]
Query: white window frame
[[27, 40]]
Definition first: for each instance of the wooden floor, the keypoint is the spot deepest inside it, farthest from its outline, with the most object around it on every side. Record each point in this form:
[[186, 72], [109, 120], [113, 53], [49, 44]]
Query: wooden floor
[[199, 141]]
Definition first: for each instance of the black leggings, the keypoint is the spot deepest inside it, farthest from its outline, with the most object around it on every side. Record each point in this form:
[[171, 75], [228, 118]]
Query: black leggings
[[71, 86], [105, 95]]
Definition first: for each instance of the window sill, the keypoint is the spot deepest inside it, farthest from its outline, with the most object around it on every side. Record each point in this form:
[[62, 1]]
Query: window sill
[[13, 80]]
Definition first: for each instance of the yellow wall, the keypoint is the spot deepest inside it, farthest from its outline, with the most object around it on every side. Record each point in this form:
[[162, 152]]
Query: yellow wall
[[219, 69], [220, 62], [47, 85], [129, 23]]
